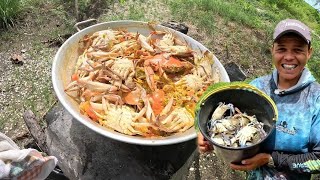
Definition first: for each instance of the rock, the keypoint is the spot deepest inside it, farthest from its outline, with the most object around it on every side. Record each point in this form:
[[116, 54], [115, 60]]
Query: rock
[[176, 26], [16, 59], [234, 72]]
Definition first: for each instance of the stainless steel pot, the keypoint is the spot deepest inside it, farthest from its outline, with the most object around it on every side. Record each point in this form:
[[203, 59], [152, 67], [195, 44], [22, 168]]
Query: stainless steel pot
[[63, 66]]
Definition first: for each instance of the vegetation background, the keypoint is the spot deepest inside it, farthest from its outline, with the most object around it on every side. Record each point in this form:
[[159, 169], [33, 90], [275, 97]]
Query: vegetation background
[[238, 31]]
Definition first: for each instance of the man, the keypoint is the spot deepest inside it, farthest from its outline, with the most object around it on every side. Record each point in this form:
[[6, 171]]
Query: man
[[294, 151]]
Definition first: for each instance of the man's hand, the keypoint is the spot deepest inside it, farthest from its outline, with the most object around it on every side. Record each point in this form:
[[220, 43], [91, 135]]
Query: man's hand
[[203, 144], [252, 163]]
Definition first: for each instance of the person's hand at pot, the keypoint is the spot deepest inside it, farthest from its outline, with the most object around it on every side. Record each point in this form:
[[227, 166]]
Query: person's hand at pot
[[203, 144], [252, 163]]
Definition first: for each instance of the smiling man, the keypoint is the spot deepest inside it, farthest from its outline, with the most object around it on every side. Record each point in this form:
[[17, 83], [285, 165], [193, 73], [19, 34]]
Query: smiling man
[[293, 149], [291, 51], [293, 152]]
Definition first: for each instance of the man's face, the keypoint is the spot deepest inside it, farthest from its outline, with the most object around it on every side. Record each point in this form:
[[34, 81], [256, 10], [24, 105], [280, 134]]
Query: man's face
[[290, 54]]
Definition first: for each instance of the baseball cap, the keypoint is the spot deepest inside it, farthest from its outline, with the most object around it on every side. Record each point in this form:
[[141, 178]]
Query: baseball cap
[[292, 25]]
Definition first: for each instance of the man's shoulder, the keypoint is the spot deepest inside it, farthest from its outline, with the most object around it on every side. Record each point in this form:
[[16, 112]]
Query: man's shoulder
[[315, 85], [314, 89], [261, 80]]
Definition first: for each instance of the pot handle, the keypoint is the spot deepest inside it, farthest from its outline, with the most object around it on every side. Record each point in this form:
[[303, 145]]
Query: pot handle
[[83, 22]]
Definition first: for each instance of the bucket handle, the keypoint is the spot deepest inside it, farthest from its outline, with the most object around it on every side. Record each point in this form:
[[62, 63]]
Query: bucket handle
[[83, 22]]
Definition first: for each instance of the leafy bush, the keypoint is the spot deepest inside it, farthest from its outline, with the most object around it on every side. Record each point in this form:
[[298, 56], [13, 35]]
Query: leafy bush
[[8, 10]]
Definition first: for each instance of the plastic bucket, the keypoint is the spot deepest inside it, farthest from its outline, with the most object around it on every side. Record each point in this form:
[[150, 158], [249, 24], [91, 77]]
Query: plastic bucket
[[249, 100]]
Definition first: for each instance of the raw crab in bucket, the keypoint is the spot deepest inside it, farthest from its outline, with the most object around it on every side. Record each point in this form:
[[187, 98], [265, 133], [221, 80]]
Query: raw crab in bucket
[[140, 85], [230, 127], [249, 105]]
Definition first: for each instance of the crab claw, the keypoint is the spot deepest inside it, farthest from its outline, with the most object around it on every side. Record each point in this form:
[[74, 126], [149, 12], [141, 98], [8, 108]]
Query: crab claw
[[221, 109], [96, 86], [133, 97], [143, 41], [157, 98], [73, 86]]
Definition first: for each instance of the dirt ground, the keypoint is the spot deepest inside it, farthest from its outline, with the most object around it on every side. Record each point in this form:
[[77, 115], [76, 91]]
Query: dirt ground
[[25, 82]]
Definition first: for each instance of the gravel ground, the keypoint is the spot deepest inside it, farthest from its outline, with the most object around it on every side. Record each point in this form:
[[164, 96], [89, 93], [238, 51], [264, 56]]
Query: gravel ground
[[23, 87], [26, 85], [209, 167]]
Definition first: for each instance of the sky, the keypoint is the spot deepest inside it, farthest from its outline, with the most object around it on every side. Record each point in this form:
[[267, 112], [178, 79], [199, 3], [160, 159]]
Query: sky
[[312, 2]]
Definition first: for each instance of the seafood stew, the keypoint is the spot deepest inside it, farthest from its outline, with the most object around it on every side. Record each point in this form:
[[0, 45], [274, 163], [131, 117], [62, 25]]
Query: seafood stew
[[63, 68], [140, 85]]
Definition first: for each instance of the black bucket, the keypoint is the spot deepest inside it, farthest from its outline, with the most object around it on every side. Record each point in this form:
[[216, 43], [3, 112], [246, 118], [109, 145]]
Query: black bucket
[[247, 99]]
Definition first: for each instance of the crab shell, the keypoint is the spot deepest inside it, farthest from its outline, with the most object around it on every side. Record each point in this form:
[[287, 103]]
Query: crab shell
[[179, 120], [246, 134], [191, 81], [124, 119], [123, 67]]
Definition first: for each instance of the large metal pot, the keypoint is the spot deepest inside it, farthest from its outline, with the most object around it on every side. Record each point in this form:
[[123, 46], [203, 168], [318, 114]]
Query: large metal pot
[[65, 60]]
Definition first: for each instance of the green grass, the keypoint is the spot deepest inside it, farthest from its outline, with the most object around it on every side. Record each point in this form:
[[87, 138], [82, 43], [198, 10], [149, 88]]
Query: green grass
[[8, 11], [130, 10], [260, 15], [136, 13], [242, 11]]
